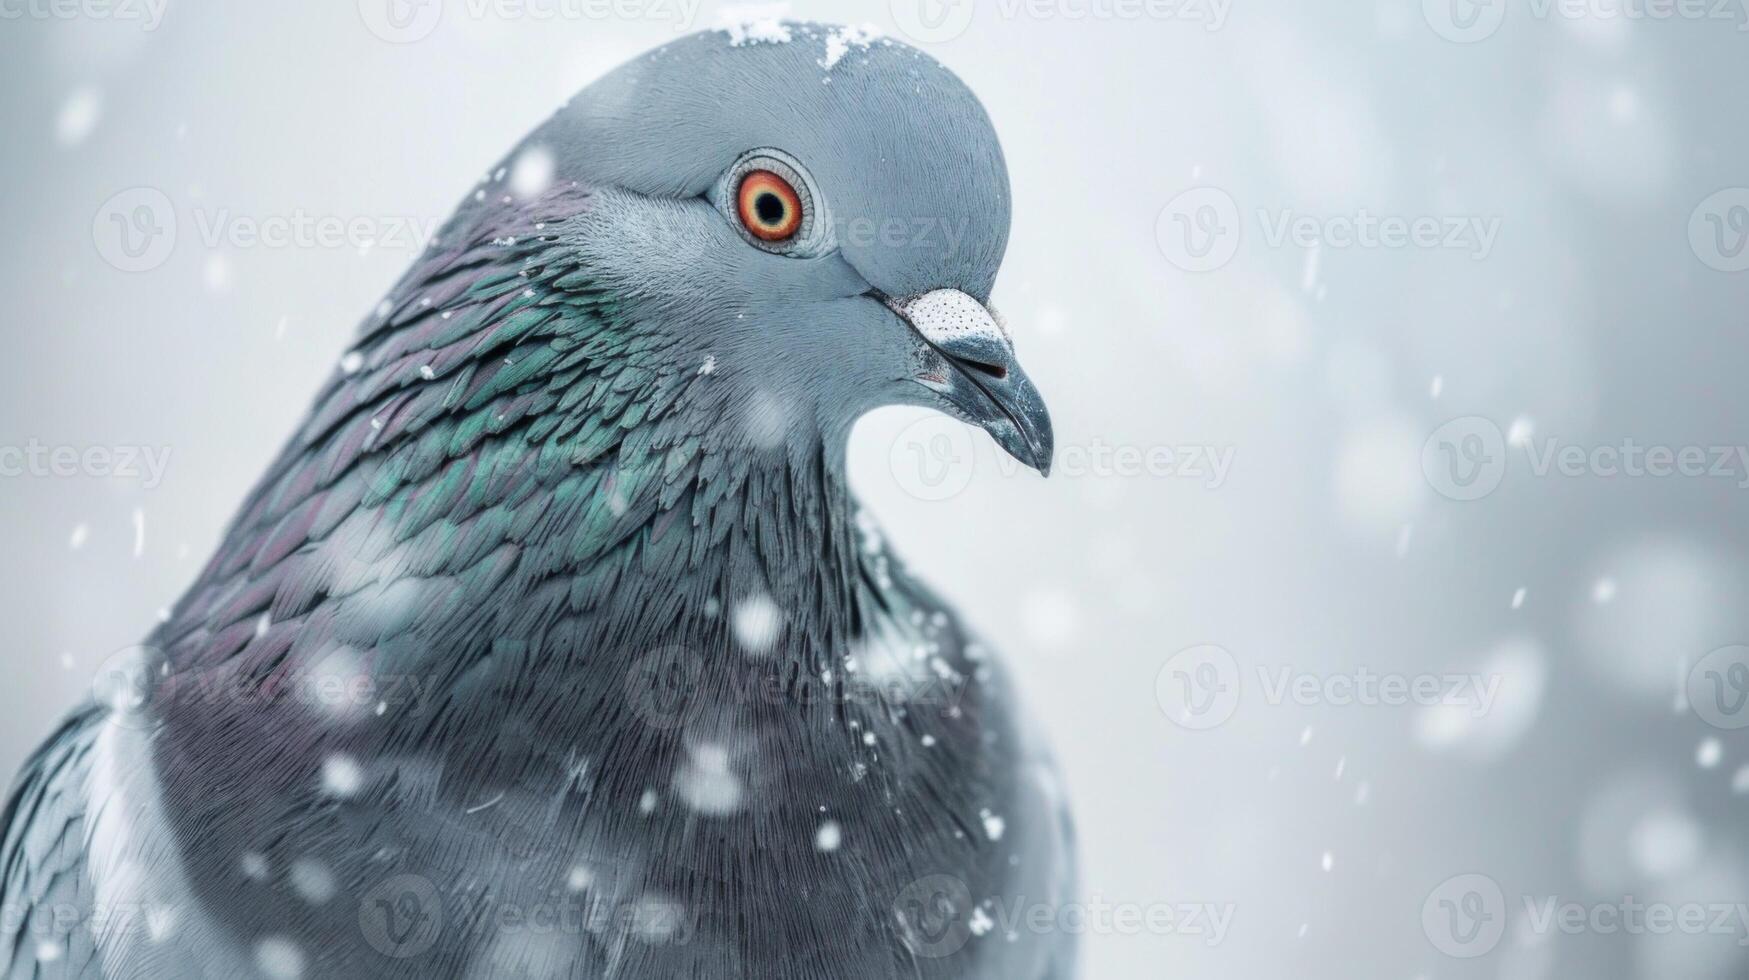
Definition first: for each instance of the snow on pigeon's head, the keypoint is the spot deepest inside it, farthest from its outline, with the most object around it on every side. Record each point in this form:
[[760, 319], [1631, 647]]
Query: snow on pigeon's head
[[815, 214]]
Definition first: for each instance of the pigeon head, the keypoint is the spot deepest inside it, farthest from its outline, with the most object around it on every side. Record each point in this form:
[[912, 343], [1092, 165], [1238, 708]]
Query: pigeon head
[[815, 219]]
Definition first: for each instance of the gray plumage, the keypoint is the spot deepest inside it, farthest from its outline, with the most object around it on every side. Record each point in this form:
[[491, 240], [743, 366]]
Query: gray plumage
[[554, 644]]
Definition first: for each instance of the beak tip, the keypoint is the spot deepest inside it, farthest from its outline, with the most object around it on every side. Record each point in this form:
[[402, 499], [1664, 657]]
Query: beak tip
[[1042, 458]]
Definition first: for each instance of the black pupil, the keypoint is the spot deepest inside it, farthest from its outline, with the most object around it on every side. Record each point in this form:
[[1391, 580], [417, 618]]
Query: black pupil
[[770, 208]]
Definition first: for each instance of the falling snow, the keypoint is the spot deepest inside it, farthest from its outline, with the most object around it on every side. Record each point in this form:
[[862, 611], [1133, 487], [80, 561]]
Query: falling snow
[[1708, 754], [312, 881], [1665, 841], [341, 776], [707, 784], [579, 879], [161, 922], [994, 826], [828, 838], [79, 116], [756, 622], [1521, 431], [217, 273], [279, 958], [533, 172]]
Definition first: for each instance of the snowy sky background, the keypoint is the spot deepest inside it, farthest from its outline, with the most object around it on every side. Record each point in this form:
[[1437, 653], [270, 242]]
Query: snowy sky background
[[1579, 152]]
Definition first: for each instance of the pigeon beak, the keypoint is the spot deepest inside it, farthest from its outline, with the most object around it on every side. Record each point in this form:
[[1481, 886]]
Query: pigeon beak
[[971, 365]]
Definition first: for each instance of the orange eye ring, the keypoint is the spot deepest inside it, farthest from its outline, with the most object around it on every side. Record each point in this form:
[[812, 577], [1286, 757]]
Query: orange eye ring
[[769, 207]]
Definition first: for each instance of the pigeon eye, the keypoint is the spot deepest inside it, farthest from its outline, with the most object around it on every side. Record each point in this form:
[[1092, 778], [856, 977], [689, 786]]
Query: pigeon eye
[[769, 207], [769, 198]]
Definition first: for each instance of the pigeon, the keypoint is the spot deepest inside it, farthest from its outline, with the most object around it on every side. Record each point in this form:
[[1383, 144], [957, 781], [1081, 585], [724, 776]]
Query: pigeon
[[554, 642]]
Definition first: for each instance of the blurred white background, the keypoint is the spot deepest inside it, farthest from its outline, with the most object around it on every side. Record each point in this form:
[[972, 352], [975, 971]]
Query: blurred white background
[[1278, 244]]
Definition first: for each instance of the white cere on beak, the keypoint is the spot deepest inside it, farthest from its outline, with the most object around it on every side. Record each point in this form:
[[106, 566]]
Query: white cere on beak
[[947, 317]]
